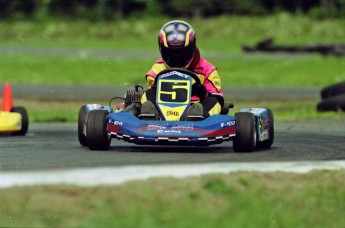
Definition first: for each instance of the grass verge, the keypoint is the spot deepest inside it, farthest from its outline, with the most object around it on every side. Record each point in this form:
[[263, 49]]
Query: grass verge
[[258, 70], [244, 199]]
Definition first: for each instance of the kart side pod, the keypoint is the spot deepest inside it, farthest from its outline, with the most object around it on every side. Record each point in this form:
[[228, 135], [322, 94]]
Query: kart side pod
[[254, 129]]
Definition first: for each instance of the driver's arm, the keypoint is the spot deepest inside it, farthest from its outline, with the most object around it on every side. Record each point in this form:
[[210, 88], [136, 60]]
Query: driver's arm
[[214, 87], [151, 75], [213, 84], [150, 81]]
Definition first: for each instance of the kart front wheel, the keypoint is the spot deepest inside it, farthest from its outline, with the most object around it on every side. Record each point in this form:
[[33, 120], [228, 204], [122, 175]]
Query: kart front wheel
[[245, 139], [96, 130], [25, 120], [268, 143]]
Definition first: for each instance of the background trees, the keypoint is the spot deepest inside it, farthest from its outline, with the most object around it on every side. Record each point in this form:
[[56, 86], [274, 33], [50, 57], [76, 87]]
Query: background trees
[[97, 10]]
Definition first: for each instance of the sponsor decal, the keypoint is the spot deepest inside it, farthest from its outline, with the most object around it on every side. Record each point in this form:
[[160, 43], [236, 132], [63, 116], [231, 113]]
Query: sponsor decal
[[151, 126], [176, 128], [228, 124], [182, 127], [115, 122], [168, 131], [174, 73], [172, 113]]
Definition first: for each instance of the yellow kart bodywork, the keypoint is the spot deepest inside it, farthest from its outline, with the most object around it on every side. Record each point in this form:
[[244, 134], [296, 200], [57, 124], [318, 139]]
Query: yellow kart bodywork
[[10, 122]]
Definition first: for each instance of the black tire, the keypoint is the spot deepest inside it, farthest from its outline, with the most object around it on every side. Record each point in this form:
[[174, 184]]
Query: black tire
[[268, 143], [333, 90], [25, 120], [334, 103], [81, 120], [96, 130], [245, 138]]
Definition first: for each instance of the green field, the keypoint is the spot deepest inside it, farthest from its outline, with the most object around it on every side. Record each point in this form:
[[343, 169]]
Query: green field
[[220, 40], [259, 70]]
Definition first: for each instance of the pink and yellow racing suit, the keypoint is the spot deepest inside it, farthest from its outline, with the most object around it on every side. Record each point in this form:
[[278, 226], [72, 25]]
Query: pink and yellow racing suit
[[208, 76]]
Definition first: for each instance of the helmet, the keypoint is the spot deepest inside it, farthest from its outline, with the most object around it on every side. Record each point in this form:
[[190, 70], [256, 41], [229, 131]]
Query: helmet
[[177, 43]]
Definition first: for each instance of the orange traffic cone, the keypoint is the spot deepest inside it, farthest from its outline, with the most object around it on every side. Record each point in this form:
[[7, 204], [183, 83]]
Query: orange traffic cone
[[7, 99]]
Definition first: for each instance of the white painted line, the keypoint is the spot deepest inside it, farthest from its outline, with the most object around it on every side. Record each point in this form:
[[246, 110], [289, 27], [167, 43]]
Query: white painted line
[[119, 175]]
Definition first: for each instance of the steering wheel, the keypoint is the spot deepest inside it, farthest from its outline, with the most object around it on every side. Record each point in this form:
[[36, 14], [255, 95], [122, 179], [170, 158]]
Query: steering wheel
[[181, 70]]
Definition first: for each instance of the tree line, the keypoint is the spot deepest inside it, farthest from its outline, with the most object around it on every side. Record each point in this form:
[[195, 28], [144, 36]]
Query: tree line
[[98, 10]]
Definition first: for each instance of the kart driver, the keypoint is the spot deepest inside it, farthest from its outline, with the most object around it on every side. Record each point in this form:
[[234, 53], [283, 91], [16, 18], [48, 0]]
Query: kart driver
[[177, 46]]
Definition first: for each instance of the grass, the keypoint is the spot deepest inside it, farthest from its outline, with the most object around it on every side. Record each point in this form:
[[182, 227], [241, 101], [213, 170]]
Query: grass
[[220, 40], [236, 70], [234, 200]]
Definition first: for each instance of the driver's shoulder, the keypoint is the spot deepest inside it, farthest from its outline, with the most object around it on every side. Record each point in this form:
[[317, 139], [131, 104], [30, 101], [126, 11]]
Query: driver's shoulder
[[203, 67], [158, 66]]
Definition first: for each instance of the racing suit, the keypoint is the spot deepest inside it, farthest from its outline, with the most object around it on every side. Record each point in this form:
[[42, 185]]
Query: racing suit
[[212, 99]]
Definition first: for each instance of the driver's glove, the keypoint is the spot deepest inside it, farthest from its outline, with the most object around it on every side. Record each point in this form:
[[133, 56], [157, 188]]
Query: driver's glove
[[199, 90]]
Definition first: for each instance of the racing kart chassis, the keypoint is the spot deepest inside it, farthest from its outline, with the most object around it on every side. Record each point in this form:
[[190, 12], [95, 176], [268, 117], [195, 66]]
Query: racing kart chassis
[[249, 129]]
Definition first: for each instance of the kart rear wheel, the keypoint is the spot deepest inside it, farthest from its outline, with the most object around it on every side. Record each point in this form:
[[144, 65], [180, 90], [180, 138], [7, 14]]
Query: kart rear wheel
[[25, 120], [81, 122], [96, 130], [268, 143], [245, 138]]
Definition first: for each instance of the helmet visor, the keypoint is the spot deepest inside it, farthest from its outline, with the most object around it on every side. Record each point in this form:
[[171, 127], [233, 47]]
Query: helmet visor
[[177, 56]]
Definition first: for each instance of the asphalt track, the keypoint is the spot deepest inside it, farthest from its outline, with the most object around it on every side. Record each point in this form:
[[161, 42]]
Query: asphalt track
[[54, 146]]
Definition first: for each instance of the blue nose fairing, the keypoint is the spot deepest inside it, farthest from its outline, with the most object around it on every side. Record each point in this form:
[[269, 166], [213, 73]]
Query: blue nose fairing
[[212, 130]]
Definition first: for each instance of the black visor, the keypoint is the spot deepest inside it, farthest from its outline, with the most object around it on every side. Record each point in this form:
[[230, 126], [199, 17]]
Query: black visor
[[177, 56]]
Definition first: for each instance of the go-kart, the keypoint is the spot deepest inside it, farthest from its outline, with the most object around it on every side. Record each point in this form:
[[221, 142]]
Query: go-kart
[[250, 128], [15, 122], [13, 119]]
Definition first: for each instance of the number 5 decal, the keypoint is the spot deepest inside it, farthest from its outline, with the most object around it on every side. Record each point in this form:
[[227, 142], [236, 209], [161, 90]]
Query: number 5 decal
[[177, 91]]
